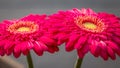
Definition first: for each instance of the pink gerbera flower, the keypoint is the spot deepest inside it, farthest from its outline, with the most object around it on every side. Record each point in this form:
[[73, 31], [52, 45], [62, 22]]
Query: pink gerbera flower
[[19, 36], [86, 30]]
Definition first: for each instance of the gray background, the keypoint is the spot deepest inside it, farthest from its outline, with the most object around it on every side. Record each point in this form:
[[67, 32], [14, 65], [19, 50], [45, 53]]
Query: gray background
[[11, 9]]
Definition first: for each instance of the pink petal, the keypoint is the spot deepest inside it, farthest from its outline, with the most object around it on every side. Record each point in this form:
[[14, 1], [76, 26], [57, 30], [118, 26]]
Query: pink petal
[[72, 40], [114, 46], [117, 34], [17, 51], [56, 49], [62, 38], [116, 39], [76, 11], [24, 48], [8, 45], [111, 53], [103, 37], [8, 52], [51, 50], [118, 51], [30, 45], [81, 42], [95, 49], [80, 54], [2, 43], [85, 49], [37, 48], [2, 52], [48, 41], [43, 46], [90, 11], [104, 54]]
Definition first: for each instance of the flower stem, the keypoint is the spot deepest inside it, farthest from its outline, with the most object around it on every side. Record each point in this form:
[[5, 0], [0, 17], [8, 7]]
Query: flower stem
[[78, 63], [29, 60]]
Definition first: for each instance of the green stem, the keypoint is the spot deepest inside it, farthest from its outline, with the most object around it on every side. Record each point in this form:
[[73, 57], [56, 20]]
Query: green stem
[[78, 63], [29, 60]]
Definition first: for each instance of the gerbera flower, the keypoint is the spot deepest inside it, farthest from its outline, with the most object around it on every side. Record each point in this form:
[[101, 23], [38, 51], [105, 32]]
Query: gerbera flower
[[87, 31], [22, 35]]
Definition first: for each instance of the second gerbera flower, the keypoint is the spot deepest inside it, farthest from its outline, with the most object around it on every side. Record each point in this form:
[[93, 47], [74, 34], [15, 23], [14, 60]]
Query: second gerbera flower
[[20, 36], [87, 31]]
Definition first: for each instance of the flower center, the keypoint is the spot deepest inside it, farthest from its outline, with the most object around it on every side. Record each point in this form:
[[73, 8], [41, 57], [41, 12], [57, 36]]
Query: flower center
[[23, 27], [89, 25]]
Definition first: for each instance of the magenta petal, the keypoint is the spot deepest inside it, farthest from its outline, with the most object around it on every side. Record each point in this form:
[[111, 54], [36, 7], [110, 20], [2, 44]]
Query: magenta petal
[[37, 48], [24, 48], [2, 52], [80, 54], [2, 43], [17, 54], [51, 50], [111, 53], [30, 45], [43, 46], [8, 45], [76, 10], [56, 49], [17, 51], [95, 50], [103, 53], [114, 47], [116, 39], [81, 42], [85, 49], [61, 38], [9, 52], [48, 41], [70, 44], [117, 33], [118, 52]]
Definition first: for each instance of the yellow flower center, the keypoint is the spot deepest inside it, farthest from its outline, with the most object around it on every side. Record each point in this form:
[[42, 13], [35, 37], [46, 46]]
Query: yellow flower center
[[89, 25], [23, 29]]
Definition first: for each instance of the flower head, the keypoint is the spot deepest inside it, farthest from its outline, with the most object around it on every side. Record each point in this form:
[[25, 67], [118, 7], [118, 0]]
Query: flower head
[[86, 30], [22, 35]]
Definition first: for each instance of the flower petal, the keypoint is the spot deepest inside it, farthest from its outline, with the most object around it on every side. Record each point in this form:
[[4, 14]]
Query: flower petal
[[114, 47], [37, 48], [103, 53], [17, 51], [95, 50], [111, 53], [81, 42], [43, 46], [61, 38], [71, 42], [48, 41], [2, 52], [24, 48], [80, 54]]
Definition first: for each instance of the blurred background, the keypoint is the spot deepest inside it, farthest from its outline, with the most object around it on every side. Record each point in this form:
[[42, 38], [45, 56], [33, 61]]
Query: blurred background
[[13, 9]]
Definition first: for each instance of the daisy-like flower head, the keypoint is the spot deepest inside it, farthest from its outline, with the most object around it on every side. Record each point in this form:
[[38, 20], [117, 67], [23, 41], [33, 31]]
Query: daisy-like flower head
[[22, 35], [86, 30]]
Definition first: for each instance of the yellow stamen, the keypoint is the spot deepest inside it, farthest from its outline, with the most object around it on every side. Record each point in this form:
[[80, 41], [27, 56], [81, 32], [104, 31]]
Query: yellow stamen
[[23, 29], [89, 25]]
